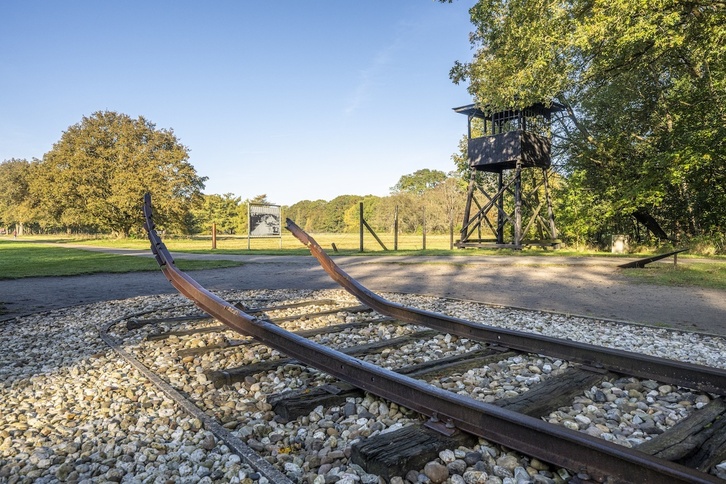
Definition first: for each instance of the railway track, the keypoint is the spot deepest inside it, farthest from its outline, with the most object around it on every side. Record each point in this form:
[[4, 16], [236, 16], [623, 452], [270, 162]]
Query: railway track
[[684, 452]]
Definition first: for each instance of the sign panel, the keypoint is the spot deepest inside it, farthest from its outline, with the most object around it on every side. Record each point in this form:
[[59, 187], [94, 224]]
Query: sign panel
[[264, 220]]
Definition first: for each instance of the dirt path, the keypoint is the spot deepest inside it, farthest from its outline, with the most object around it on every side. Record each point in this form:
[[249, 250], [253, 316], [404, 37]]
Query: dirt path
[[583, 286]]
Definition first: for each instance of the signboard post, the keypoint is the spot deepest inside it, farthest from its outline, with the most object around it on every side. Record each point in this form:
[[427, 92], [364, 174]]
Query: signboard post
[[264, 222]]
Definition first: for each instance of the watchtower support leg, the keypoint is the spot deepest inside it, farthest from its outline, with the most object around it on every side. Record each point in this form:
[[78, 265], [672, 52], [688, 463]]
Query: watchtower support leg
[[500, 212], [518, 206], [467, 207]]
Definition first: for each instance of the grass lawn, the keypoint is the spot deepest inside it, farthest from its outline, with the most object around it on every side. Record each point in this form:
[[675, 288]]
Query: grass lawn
[[346, 244], [288, 244], [711, 274], [27, 259]]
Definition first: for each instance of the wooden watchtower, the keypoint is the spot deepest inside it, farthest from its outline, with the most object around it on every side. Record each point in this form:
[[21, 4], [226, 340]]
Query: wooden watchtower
[[504, 143]]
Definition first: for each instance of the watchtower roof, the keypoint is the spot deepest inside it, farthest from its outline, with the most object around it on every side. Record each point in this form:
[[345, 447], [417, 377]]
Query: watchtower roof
[[536, 109]]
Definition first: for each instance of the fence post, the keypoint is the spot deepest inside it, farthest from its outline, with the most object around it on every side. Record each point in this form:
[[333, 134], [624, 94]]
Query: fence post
[[451, 234], [214, 235], [424, 228], [395, 228], [361, 226]]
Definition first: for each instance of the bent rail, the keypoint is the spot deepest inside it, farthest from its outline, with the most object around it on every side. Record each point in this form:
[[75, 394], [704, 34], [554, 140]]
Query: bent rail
[[688, 375], [548, 442]]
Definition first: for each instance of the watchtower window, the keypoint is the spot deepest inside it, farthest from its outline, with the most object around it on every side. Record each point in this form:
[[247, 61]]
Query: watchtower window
[[535, 119], [499, 139]]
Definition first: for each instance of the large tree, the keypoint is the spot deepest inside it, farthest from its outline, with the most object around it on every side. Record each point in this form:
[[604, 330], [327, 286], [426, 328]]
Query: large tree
[[222, 210], [419, 181], [644, 83], [96, 175], [15, 200]]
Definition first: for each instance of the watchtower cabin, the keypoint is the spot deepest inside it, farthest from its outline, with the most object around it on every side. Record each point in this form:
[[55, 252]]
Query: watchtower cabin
[[502, 145]]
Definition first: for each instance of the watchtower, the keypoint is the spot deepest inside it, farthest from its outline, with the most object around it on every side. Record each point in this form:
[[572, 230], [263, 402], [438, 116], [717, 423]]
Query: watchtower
[[506, 143]]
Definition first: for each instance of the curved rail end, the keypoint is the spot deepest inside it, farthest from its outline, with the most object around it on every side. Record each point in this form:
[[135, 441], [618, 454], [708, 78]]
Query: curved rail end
[[161, 253]]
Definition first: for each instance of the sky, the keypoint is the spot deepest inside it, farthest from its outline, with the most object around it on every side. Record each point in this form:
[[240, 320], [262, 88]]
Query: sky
[[298, 100]]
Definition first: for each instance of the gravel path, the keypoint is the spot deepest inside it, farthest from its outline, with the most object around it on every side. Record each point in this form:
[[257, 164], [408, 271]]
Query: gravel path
[[582, 286]]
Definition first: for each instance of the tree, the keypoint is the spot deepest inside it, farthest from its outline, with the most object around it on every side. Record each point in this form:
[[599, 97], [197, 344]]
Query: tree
[[371, 208], [419, 181], [577, 211], [445, 204], [644, 84], [308, 214], [97, 173], [334, 213], [15, 201], [218, 209]]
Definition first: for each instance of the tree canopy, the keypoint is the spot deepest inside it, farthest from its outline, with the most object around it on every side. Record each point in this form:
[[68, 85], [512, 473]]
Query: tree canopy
[[644, 83], [97, 173], [15, 206], [419, 181]]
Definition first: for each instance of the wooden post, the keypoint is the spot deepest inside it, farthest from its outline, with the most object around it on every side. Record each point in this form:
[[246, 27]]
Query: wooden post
[[214, 235], [361, 226], [451, 234], [395, 228], [518, 206], [424, 228], [467, 208], [500, 209]]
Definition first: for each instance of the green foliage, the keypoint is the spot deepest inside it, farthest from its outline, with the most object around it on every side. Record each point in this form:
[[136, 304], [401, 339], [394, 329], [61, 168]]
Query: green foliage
[[439, 195], [333, 217], [419, 181], [576, 207], [372, 207], [461, 159], [222, 210], [229, 212], [98, 172], [644, 83], [15, 202], [307, 214]]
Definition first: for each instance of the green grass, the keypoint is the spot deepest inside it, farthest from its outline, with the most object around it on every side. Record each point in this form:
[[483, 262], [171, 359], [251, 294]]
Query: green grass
[[349, 242], [28, 259], [711, 274], [346, 243]]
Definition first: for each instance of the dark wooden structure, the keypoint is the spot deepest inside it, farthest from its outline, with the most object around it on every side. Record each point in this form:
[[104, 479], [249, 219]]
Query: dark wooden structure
[[640, 263], [505, 143]]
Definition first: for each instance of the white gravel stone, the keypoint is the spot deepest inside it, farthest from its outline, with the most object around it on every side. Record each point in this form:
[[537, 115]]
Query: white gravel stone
[[71, 409]]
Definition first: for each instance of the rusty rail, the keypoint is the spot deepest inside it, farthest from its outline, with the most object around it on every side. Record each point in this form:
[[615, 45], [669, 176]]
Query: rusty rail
[[688, 375], [551, 443]]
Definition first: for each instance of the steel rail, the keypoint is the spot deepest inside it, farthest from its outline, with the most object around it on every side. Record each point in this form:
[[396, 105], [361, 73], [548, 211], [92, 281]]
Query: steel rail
[[248, 455], [683, 374], [551, 443]]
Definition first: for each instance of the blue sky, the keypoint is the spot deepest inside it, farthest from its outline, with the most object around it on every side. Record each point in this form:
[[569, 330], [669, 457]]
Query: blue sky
[[295, 99]]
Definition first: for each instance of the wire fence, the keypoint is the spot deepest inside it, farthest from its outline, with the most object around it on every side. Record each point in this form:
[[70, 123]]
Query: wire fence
[[342, 242]]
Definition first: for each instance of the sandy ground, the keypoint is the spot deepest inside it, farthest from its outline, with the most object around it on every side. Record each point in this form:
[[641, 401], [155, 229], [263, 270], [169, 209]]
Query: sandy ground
[[582, 286]]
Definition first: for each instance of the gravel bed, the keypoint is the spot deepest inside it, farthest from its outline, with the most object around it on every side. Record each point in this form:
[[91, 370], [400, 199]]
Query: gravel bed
[[71, 410]]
